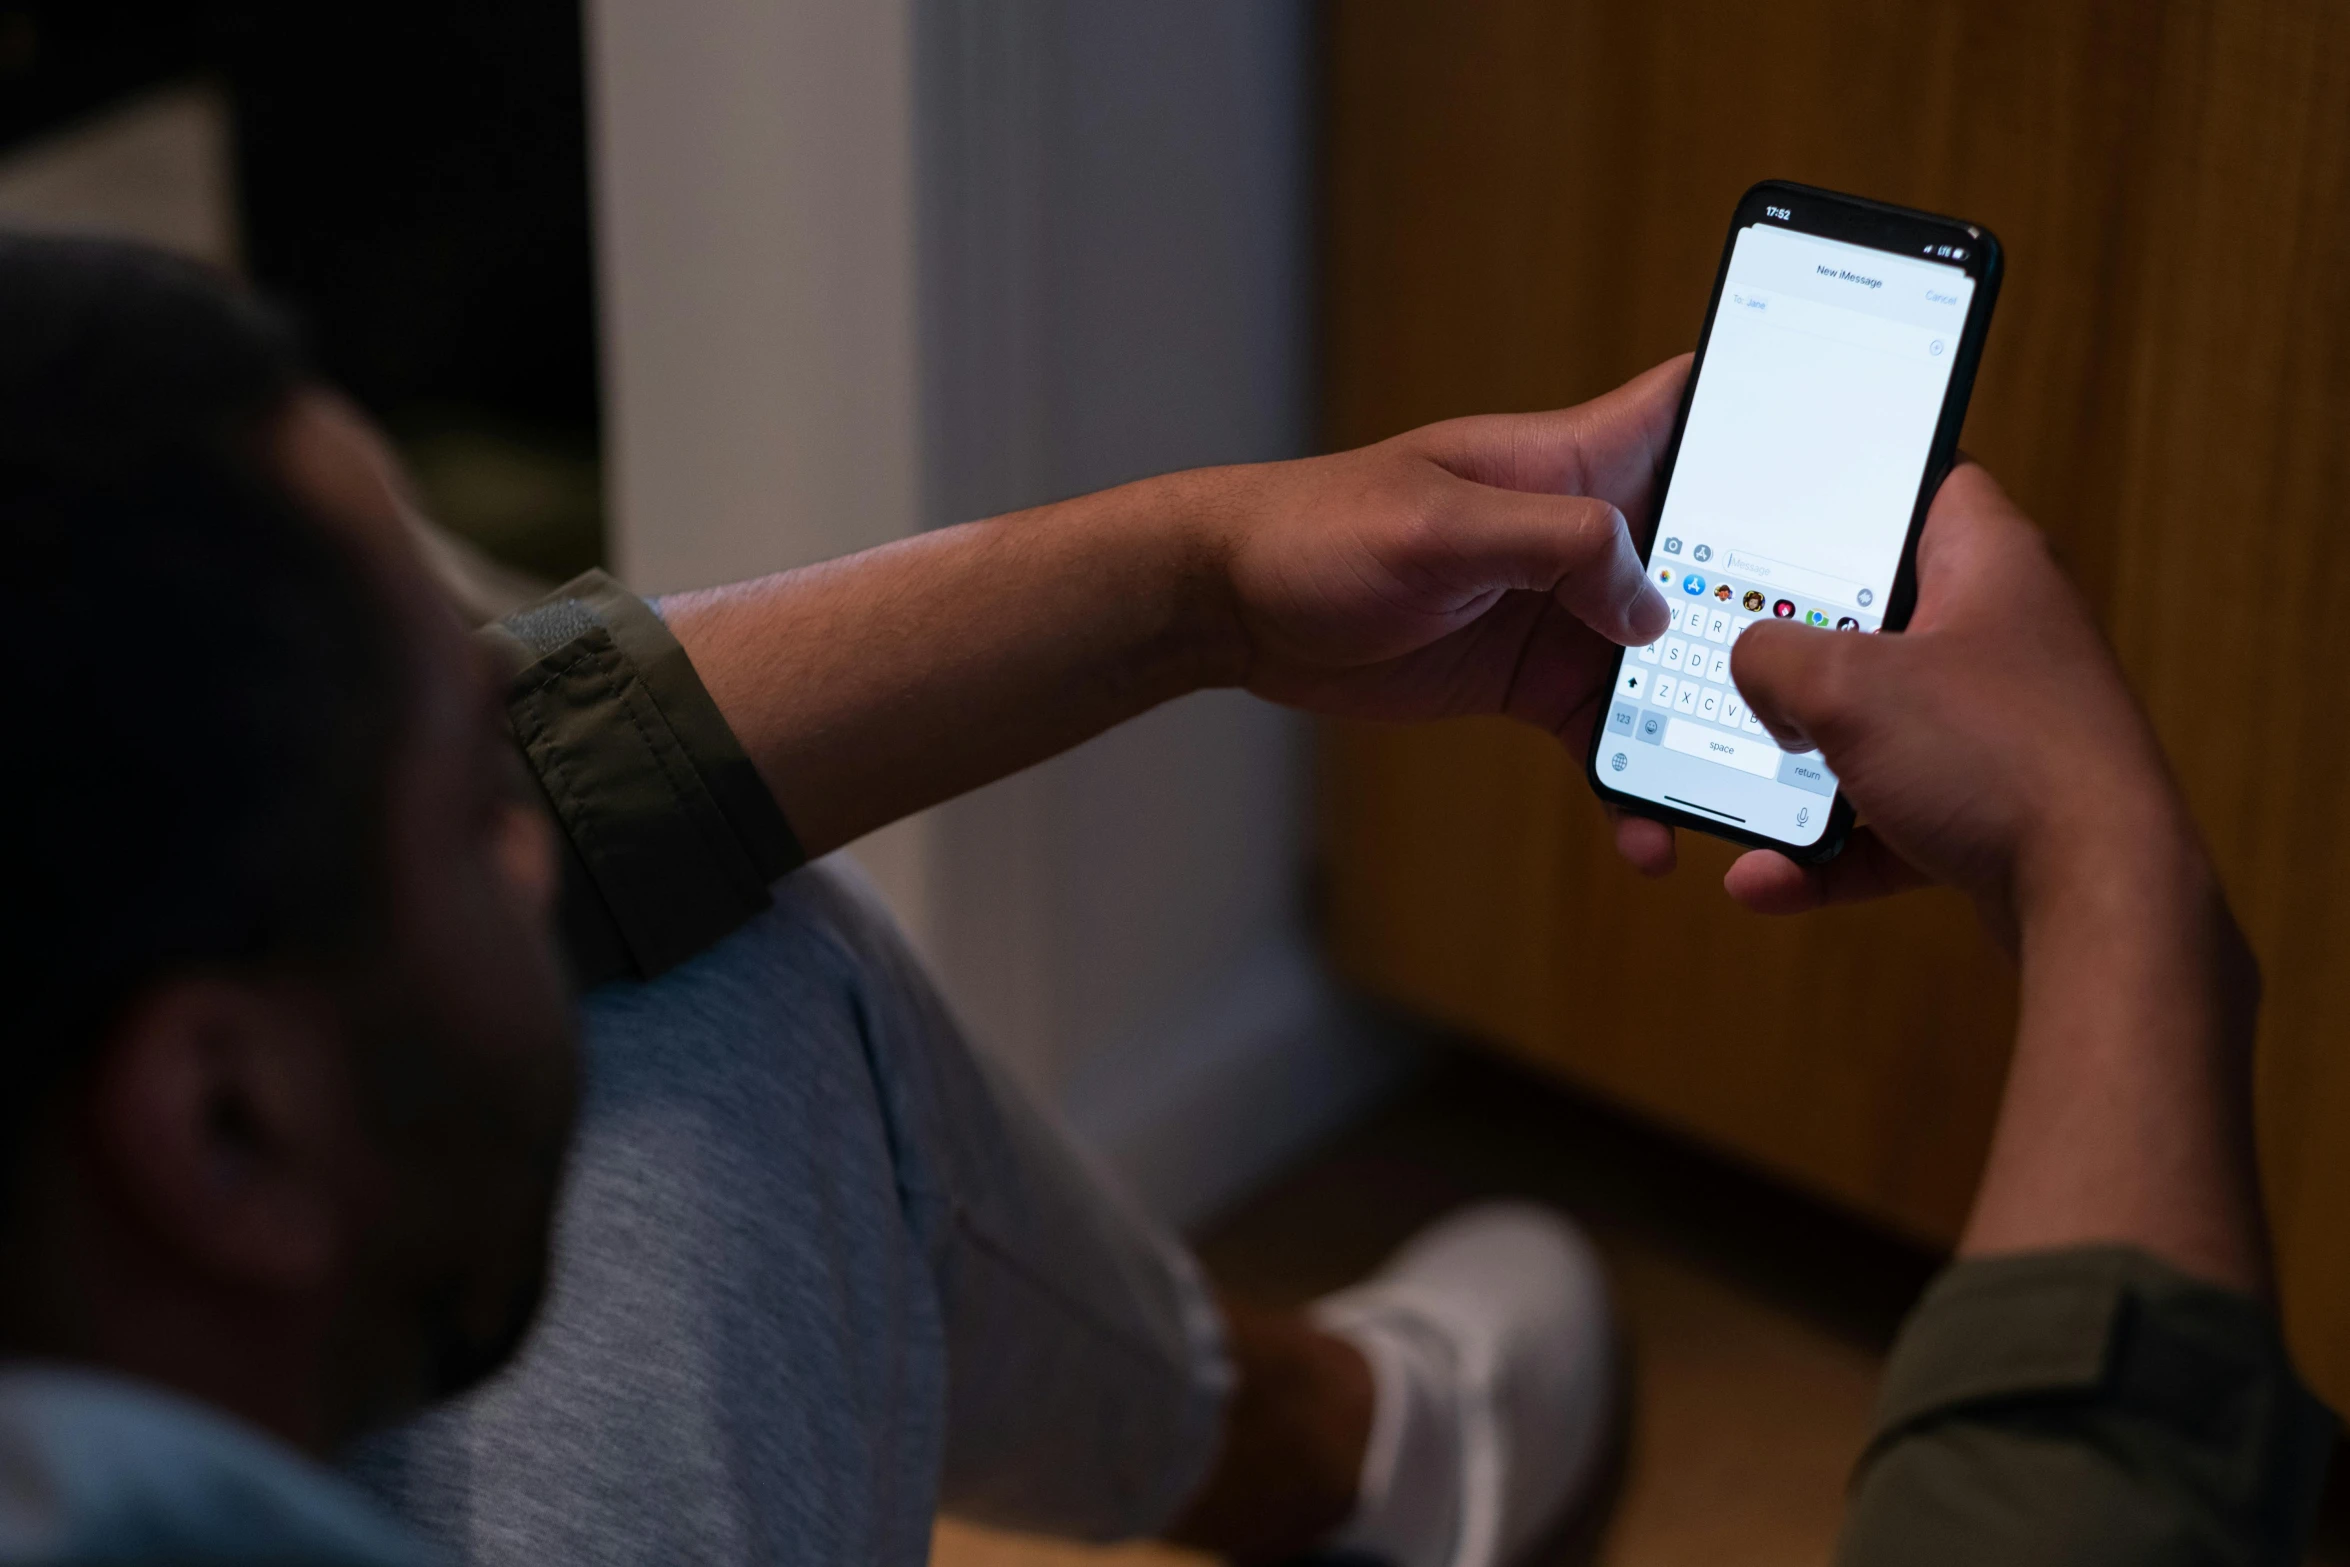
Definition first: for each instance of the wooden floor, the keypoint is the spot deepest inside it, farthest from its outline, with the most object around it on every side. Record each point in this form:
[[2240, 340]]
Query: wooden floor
[[1757, 1319]]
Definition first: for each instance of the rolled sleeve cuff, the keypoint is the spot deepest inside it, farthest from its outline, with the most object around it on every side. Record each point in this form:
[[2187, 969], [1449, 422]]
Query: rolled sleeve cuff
[[671, 838], [2088, 1405]]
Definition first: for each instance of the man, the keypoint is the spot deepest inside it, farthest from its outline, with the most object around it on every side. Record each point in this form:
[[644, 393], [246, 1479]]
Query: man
[[294, 1075]]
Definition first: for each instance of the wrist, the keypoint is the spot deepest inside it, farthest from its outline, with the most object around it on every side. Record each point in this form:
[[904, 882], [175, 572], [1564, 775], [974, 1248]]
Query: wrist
[[1190, 520], [2127, 1116], [2132, 887], [2105, 835]]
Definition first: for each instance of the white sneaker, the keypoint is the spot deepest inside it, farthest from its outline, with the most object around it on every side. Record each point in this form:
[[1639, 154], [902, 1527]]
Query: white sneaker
[[1493, 1350]]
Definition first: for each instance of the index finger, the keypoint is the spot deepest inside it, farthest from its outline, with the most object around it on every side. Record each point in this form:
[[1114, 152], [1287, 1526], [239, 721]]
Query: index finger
[[1972, 519], [1768, 882], [1646, 844], [1608, 447]]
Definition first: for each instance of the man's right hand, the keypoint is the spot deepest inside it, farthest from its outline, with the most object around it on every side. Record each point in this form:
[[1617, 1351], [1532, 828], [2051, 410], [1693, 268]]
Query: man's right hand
[[1995, 747], [1992, 746]]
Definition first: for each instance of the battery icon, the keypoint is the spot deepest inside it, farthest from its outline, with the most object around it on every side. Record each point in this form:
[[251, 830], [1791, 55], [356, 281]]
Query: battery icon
[[1958, 255]]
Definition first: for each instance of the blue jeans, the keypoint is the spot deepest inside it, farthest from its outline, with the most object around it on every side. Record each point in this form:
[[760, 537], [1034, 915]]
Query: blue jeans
[[820, 1271]]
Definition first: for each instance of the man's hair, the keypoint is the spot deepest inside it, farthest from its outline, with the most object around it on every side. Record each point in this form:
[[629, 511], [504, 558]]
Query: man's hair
[[204, 682]]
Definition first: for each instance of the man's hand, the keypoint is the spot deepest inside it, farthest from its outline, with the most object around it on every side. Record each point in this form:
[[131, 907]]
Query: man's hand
[[1482, 565], [1477, 566], [1995, 747], [1990, 746]]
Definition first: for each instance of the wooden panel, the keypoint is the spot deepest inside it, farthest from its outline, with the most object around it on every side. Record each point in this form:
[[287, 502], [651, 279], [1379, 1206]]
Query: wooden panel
[[1525, 206], [1472, 883]]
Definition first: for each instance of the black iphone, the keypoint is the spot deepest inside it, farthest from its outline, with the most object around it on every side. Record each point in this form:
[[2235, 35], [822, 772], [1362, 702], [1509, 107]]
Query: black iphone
[[1831, 380]]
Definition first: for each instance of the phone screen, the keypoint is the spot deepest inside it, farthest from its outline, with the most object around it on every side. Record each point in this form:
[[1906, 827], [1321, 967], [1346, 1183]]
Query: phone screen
[[1820, 389]]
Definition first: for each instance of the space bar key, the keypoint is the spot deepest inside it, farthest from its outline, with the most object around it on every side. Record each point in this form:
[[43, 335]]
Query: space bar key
[[1751, 753]]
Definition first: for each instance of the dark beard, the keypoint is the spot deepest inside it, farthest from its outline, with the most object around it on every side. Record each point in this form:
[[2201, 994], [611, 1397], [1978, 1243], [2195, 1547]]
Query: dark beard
[[456, 1360], [477, 1138]]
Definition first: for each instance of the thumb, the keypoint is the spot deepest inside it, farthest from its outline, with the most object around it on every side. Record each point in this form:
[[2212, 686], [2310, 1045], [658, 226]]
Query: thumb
[[1803, 684], [1573, 547]]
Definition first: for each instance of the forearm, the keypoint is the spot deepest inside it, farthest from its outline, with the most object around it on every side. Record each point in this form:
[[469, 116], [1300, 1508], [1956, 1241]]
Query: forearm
[[2101, 1377], [868, 688], [2127, 1116]]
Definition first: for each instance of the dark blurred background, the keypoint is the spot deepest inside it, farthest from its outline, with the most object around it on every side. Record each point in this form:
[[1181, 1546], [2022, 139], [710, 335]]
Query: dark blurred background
[[413, 180]]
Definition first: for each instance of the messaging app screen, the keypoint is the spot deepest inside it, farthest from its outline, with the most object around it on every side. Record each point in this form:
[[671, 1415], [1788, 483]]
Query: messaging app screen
[[1807, 439]]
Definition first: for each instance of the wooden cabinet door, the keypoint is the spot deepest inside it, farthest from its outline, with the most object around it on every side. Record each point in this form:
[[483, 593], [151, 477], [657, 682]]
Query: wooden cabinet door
[[1525, 202]]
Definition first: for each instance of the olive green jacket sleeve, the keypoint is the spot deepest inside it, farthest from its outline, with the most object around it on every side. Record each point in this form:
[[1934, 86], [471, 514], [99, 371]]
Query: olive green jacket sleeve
[[670, 838], [2088, 1406]]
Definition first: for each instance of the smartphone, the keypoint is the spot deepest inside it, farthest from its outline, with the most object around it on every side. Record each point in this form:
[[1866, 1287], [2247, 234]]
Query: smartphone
[[1832, 377]]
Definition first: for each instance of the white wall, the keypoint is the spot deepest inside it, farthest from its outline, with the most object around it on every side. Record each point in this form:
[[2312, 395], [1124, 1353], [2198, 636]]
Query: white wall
[[755, 239], [871, 264]]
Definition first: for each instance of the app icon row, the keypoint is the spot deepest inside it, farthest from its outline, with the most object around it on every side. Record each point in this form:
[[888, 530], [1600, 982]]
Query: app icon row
[[1671, 545], [1695, 586]]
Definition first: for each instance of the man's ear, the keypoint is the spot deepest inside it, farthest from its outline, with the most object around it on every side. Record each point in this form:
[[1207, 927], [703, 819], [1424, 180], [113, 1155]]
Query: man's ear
[[221, 1118]]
